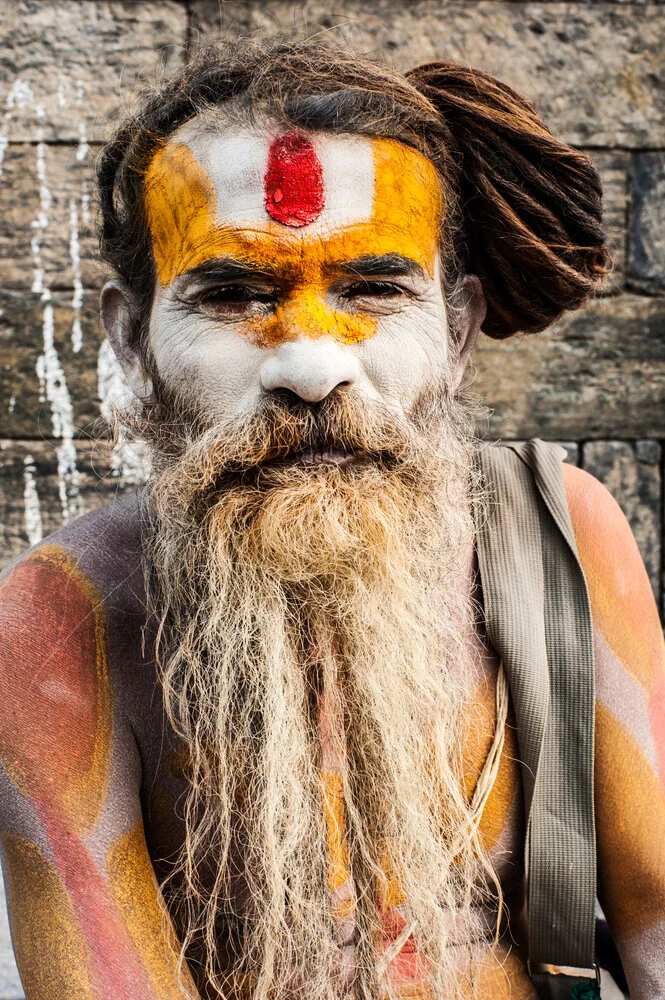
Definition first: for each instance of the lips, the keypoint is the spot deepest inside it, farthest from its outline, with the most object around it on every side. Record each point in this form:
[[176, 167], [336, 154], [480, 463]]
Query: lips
[[320, 456]]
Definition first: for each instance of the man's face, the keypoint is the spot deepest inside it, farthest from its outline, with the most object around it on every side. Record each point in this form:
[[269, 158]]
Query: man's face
[[298, 261]]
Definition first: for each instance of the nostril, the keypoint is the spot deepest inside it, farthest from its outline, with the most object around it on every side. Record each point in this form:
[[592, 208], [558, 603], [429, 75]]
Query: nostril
[[286, 396]]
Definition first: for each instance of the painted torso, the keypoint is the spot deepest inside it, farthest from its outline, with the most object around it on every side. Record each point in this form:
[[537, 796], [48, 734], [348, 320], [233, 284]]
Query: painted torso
[[93, 778]]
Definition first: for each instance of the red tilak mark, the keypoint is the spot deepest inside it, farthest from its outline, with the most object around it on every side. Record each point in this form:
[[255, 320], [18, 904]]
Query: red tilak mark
[[294, 181]]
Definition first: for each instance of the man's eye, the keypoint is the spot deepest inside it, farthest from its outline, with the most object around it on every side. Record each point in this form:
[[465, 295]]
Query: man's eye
[[238, 295], [373, 289]]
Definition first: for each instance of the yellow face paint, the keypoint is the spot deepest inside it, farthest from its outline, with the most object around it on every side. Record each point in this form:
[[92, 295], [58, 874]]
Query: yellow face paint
[[403, 218]]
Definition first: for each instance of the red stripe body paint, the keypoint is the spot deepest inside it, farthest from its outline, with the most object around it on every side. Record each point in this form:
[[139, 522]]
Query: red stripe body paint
[[293, 181]]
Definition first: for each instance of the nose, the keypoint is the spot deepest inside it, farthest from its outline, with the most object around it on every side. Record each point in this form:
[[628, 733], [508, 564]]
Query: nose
[[310, 368]]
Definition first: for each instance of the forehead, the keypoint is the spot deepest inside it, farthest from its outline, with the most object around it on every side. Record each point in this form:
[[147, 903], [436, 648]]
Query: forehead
[[231, 190]]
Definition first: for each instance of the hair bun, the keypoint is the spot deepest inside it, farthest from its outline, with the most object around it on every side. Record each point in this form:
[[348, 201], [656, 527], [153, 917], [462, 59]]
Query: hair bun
[[531, 205]]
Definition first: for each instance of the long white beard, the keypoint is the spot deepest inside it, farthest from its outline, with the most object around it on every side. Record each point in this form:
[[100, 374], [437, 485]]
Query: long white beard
[[282, 585]]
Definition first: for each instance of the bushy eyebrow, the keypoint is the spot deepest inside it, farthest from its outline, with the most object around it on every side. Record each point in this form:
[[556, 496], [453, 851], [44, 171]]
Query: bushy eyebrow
[[225, 269], [388, 265]]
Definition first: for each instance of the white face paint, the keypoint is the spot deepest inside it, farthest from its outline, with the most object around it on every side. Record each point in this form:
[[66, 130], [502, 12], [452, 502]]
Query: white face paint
[[300, 262]]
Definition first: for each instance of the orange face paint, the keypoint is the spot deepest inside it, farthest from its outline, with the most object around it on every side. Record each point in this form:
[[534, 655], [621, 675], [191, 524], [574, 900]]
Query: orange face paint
[[188, 227]]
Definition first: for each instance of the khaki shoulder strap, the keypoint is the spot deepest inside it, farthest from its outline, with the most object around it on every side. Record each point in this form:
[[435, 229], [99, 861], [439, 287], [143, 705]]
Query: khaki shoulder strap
[[538, 619]]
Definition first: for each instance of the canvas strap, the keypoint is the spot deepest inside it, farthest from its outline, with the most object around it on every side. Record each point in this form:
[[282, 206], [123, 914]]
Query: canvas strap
[[538, 620]]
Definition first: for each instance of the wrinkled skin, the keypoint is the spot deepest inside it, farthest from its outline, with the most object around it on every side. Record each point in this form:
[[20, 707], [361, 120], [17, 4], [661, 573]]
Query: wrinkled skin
[[90, 770]]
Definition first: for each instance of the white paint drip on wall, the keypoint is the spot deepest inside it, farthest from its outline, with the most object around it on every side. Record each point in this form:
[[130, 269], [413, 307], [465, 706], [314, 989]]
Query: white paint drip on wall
[[4, 142], [20, 94], [52, 383], [85, 203], [32, 515], [40, 224], [82, 149], [75, 254], [54, 388], [128, 460]]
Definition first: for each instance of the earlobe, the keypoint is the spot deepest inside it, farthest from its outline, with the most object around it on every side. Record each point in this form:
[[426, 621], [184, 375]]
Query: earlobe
[[119, 315], [470, 310]]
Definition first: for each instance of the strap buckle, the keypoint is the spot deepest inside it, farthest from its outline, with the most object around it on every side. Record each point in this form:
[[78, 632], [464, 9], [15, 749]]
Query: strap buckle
[[564, 970]]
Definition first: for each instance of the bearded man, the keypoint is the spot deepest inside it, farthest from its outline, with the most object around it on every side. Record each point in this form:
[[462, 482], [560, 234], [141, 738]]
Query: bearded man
[[278, 726]]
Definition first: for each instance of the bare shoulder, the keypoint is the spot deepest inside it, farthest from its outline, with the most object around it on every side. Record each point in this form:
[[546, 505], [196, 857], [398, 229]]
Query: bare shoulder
[[55, 604], [622, 601], [605, 541], [105, 545]]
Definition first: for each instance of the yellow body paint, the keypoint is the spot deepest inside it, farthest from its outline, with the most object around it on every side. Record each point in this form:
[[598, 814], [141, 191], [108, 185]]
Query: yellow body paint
[[133, 885], [49, 946], [629, 789]]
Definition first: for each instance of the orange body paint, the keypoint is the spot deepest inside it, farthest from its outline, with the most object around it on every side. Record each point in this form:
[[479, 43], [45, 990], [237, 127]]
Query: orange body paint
[[630, 791], [55, 670], [499, 972]]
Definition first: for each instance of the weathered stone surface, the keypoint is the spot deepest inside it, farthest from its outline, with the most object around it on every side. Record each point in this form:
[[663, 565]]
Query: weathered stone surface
[[632, 473], [65, 399], [30, 489], [597, 373], [594, 70], [65, 67], [48, 214], [612, 166], [572, 451], [646, 261]]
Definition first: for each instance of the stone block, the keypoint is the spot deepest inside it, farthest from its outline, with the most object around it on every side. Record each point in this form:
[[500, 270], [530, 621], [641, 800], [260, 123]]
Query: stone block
[[31, 484], [65, 67], [646, 258], [595, 70], [48, 217], [572, 450], [632, 474], [598, 372], [49, 367], [612, 165]]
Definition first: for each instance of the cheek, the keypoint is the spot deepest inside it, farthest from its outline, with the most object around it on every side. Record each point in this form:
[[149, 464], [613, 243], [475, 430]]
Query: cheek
[[212, 368], [407, 352]]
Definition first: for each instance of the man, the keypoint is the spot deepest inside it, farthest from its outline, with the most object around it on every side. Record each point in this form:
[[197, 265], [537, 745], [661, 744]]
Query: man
[[253, 728]]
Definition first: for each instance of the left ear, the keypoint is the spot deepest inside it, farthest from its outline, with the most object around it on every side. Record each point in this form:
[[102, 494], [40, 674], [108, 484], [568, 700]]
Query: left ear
[[470, 309]]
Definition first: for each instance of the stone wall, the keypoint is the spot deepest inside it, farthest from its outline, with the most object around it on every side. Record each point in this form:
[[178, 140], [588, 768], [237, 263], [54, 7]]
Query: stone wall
[[595, 381]]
